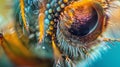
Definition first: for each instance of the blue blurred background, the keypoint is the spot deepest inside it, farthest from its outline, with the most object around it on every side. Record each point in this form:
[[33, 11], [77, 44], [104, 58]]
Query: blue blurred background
[[111, 58]]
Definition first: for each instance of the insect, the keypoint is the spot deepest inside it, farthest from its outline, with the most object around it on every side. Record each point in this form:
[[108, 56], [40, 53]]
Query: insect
[[70, 31]]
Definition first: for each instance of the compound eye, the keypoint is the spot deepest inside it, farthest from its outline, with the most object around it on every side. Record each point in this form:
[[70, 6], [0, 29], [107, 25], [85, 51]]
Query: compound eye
[[79, 26], [80, 23], [84, 21]]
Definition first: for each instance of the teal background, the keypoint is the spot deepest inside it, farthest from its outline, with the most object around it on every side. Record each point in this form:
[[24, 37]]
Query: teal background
[[111, 58]]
